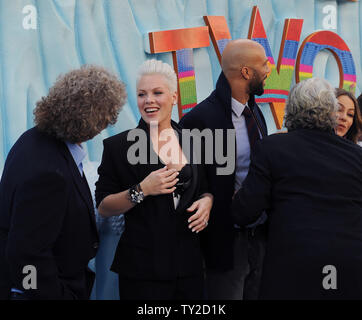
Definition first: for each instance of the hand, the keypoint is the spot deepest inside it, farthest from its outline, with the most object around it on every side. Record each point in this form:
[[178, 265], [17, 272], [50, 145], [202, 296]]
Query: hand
[[160, 181], [199, 220]]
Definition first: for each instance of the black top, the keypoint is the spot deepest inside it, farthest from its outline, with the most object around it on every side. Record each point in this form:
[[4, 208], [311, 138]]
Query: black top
[[157, 243], [185, 176]]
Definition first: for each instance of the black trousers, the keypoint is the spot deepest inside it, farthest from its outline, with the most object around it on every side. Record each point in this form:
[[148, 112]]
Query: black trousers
[[242, 282], [187, 288]]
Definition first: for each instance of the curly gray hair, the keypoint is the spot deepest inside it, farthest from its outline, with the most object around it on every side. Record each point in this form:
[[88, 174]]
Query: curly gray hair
[[311, 104], [154, 66]]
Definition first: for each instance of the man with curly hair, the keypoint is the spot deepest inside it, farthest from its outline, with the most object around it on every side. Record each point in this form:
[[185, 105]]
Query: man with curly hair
[[47, 227]]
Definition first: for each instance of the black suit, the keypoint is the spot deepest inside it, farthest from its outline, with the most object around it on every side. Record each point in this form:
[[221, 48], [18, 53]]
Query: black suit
[[310, 181], [157, 244], [46, 220], [215, 113]]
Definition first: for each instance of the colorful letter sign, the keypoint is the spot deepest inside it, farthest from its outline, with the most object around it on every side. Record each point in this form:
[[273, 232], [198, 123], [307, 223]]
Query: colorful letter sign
[[181, 42], [219, 33], [331, 41], [277, 86]]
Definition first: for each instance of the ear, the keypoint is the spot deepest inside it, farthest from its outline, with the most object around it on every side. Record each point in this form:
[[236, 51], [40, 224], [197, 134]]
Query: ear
[[245, 73], [174, 98]]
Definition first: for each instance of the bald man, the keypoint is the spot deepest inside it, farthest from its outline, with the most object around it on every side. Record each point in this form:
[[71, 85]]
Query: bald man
[[233, 255]]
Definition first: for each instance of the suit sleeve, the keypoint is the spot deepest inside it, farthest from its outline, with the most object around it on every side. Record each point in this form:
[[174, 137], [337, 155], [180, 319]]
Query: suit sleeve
[[204, 188], [261, 116], [40, 204], [183, 123], [255, 195], [190, 121], [108, 181]]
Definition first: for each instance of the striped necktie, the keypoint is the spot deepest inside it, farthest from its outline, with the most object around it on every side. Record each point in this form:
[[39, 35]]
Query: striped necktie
[[252, 126]]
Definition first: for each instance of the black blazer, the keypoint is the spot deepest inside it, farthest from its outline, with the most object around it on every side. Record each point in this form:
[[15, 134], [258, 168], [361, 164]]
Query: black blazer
[[310, 182], [215, 113], [157, 243], [46, 220]]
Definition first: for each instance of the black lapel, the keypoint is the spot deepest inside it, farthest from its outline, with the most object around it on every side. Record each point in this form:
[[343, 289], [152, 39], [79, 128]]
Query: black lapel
[[89, 202], [188, 195], [223, 93], [143, 170], [81, 183]]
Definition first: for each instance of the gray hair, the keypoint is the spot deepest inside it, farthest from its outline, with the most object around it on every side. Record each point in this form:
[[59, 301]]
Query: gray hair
[[311, 104], [154, 66]]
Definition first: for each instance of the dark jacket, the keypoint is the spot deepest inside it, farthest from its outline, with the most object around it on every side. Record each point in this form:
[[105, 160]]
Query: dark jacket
[[157, 243], [310, 183], [215, 113], [46, 220]]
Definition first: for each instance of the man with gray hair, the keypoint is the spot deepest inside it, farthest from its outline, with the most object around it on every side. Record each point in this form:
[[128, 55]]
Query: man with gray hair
[[310, 183]]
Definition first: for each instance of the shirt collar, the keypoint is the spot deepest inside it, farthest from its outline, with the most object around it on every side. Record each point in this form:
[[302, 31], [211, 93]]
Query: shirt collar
[[77, 152], [237, 107]]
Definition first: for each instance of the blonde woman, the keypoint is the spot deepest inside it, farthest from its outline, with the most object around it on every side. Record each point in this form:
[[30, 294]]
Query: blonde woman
[[164, 198]]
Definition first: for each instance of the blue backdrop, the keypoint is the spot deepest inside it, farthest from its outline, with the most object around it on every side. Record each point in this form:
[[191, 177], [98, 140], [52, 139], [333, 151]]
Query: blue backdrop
[[53, 36]]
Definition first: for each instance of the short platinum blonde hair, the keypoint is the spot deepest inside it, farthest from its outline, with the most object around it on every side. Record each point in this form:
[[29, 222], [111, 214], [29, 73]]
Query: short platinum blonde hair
[[311, 104], [153, 66]]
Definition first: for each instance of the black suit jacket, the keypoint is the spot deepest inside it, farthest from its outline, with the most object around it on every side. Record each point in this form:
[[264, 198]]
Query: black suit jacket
[[215, 113], [157, 243], [310, 183], [46, 220]]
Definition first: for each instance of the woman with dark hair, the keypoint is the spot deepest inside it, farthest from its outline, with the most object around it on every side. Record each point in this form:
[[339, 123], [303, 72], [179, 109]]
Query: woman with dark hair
[[163, 197], [349, 124], [46, 209], [359, 100]]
